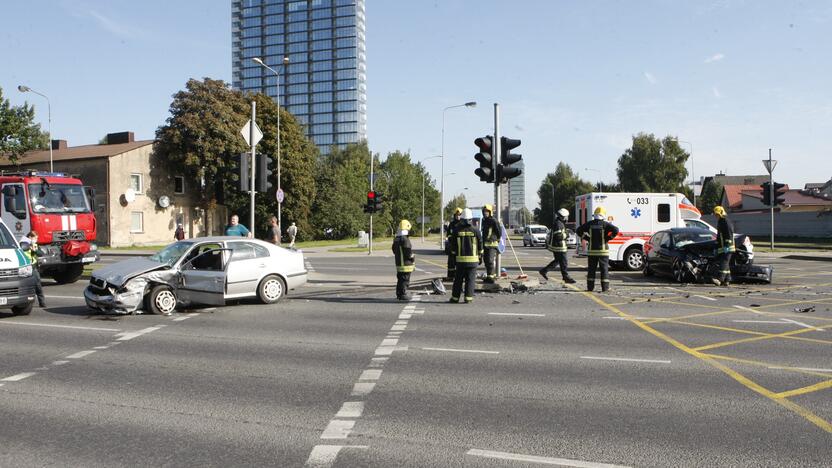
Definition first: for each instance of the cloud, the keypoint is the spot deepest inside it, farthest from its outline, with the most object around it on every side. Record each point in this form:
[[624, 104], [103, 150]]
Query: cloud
[[715, 58], [649, 76], [114, 26], [717, 94]]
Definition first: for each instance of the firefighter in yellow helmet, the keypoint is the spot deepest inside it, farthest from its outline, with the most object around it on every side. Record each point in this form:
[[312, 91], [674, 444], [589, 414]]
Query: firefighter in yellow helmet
[[491, 234], [556, 243], [450, 232], [598, 233], [466, 246], [724, 246], [405, 260]]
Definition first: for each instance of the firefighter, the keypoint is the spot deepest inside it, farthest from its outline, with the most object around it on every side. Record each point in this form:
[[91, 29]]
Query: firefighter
[[466, 247], [724, 246], [598, 232], [491, 240], [556, 243], [451, 226], [405, 260]]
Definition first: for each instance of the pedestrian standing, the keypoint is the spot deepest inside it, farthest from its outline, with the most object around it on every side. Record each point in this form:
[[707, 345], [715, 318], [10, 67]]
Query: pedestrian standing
[[179, 234], [234, 228], [598, 233], [466, 247], [405, 260], [274, 231], [448, 235], [556, 243], [29, 246], [724, 245], [491, 234], [293, 233]]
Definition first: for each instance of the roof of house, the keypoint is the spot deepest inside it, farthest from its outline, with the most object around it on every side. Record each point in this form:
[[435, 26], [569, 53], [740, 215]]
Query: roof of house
[[734, 193], [793, 197], [737, 180], [78, 152]]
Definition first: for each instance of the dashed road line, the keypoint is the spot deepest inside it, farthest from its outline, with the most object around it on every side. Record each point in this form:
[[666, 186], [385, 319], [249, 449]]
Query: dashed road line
[[538, 459], [52, 325], [130, 335], [516, 314], [802, 324], [18, 377], [705, 297], [747, 309], [325, 455], [81, 354], [454, 350], [601, 358]]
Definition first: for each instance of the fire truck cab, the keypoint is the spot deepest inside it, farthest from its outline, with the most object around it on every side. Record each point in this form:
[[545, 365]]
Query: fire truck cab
[[60, 210]]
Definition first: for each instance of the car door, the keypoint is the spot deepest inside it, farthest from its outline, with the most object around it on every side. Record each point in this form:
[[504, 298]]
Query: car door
[[249, 263], [664, 254], [201, 278]]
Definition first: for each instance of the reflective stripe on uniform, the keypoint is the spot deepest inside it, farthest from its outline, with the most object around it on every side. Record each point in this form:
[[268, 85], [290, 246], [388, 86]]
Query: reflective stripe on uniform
[[598, 253], [405, 268]]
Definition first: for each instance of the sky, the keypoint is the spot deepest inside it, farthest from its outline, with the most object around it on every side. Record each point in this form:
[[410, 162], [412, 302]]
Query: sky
[[575, 80]]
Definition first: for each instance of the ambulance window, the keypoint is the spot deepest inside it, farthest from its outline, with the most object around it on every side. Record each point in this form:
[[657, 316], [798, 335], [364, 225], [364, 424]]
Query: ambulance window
[[664, 213]]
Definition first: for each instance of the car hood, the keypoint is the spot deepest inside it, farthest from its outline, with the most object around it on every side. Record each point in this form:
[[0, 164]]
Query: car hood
[[700, 247], [120, 272]]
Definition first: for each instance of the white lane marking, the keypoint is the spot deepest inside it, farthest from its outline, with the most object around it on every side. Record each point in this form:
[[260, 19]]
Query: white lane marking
[[403, 318], [59, 363], [378, 360], [537, 459], [100, 347], [400, 322], [370, 374], [81, 354], [362, 389], [338, 429], [779, 322], [452, 350], [398, 328], [747, 309], [64, 297], [600, 358], [18, 377], [629, 318], [810, 369], [514, 314], [130, 335], [705, 297], [390, 341], [351, 409], [52, 325], [802, 324], [323, 456]]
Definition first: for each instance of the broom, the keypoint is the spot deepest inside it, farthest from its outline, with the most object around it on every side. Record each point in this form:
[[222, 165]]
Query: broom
[[522, 275]]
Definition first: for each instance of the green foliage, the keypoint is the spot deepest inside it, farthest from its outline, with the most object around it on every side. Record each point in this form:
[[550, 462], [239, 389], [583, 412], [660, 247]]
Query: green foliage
[[523, 217], [711, 196], [652, 165], [458, 201], [18, 132], [403, 181], [567, 185], [343, 178]]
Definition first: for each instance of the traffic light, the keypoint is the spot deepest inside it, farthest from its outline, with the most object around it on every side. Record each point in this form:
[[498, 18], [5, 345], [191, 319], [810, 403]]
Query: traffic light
[[243, 172], [264, 170], [486, 159], [378, 203], [766, 193], [507, 158], [779, 193], [371, 202]]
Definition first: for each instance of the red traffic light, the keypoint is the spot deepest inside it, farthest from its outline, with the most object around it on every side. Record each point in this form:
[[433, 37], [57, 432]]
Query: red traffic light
[[371, 195]]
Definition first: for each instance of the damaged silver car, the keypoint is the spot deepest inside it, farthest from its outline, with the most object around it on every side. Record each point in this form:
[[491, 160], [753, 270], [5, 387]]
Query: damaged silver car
[[205, 271]]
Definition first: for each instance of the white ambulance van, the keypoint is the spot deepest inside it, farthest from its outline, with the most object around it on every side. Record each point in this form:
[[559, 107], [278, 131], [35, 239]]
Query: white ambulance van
[[638, 216]]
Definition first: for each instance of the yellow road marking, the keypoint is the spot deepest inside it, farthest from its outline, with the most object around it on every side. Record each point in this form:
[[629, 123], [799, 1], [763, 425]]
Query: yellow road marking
[[758, 338], [804, 390], [433, 263], [748, 383], [752, 332], [768, 365]]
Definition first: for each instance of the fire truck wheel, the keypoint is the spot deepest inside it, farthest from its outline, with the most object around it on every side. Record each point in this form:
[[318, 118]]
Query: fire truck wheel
[[161, 300], [70, 274], [634, 259], [23, 309]]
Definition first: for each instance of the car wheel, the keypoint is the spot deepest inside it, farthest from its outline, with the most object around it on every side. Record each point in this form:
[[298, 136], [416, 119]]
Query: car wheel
[[634, 258], [271, 289], [69, 274], [161, 300], [23, 309], [678, 271]]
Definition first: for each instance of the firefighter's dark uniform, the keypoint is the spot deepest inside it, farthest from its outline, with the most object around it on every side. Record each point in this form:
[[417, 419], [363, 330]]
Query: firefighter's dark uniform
[[490, 240], [405, 264], [556, 243], [451, 259], [598, 233], [466, 246], [725, 249]]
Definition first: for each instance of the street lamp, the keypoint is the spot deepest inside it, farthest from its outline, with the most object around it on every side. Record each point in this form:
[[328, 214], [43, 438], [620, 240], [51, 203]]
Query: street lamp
[[26, 89], [423, 195], [442, 181], [260, 62]]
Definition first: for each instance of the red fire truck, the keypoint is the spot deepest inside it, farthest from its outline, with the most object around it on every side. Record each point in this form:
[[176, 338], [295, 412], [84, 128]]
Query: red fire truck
[[60, 209]]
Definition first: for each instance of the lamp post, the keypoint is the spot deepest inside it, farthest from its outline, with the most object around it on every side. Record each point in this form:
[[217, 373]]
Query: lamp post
[[26, 89], [259, 61], [442, 181], [423, 195]]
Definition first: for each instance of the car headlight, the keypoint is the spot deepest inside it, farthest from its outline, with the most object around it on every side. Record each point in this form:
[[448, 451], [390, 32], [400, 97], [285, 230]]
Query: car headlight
[[25, 271], [93, 247]]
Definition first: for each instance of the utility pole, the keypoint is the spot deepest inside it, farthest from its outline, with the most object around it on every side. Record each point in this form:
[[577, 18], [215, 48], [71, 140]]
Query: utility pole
[[770, 167], [496, 153]]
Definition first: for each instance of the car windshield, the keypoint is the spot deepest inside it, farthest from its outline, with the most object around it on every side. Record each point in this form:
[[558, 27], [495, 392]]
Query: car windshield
[[538, 230], [682, 239], [170, 254], [58, 198]]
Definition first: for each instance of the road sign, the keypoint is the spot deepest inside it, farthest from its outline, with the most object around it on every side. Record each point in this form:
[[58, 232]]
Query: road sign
[[770, 164], [280, 195], [246, 132]]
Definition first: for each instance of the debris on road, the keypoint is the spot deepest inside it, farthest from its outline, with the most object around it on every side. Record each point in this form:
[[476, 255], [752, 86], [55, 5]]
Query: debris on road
[[803, 310]]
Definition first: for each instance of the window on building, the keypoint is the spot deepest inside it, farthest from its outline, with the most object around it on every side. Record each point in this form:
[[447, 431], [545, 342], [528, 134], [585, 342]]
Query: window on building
[[136, 183], [297, 16], [297, 6], [321, 45], [274, 29], [322, 76], [322, 97], [320, 14], [297, 37], [322, 24], [274, 19], [272, 9], [178, 185], [136, 221], [322, 65], [251, 32], [321, 34], [249, 22]]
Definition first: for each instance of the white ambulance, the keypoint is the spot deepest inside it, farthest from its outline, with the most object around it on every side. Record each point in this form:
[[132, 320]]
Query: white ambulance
[[637, 216]]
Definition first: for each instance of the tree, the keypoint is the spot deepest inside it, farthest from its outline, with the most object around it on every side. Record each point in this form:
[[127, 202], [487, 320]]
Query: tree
[[18, 132], [523, 217], [344, 180], [567, 185], [711, 197], [652, 165], [458, 201], [403, 195]]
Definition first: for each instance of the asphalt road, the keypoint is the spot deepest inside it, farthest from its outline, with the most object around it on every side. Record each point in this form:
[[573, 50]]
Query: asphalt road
[[340, 374]]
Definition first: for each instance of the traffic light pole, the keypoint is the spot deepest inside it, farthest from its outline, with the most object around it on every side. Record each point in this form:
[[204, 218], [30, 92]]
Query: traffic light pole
[[496, 154], [372, 184], [253, 160], [771, 196]]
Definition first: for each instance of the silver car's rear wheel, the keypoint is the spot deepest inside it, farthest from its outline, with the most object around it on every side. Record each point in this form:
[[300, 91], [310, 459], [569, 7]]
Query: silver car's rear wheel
[[271, 289]]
